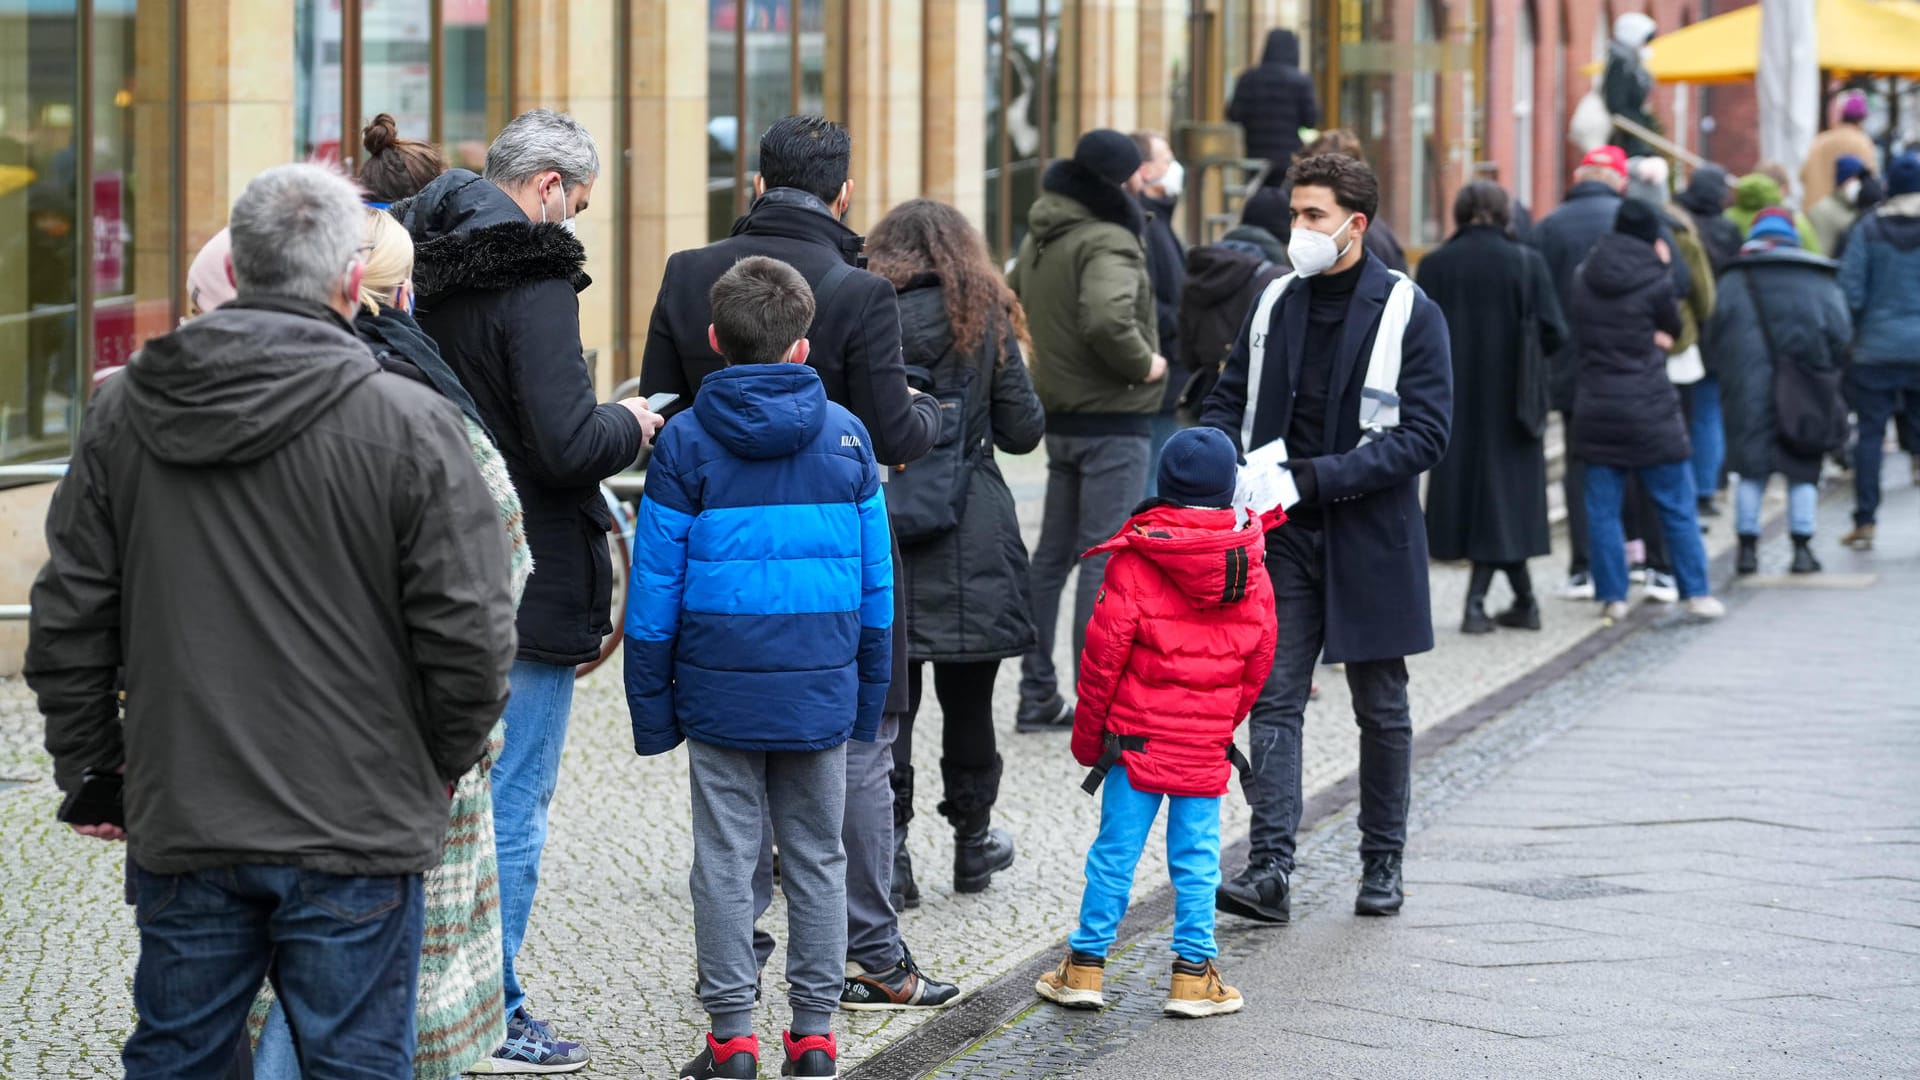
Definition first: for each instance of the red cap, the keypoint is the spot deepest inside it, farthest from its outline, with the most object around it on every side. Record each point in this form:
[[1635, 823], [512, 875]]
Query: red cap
[[1607, 157]]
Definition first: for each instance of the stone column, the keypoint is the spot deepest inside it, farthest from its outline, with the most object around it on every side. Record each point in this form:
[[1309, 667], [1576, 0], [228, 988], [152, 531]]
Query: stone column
[[954, 121], [667, 135], [883, 56], [239, 105]]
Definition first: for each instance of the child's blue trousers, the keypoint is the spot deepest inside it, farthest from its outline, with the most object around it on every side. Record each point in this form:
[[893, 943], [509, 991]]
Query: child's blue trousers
[[1193, 861]]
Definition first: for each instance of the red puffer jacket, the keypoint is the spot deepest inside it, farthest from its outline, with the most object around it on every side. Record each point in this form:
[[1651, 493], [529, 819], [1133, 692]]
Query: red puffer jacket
[[1181, 641]]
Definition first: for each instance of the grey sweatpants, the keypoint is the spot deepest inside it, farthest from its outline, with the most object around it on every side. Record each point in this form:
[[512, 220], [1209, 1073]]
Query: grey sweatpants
[[734, 791]]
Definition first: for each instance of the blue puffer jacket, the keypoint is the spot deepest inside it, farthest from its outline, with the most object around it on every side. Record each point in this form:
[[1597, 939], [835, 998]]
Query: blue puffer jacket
[[761, 610], [1880, 273]]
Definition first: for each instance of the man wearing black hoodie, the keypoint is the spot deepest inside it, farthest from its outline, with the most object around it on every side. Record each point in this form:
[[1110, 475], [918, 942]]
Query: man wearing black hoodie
[[1156, 187], [296, 562], [1274, 100], [1223, 280], [801, 194]]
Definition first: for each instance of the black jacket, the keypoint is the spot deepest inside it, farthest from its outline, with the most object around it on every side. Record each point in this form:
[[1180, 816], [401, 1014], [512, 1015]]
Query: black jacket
[[1626, 413], [1377, 596], [305, 579], [1487, 499], [1705, 201], [1224, 281], [497, 295], [966, 591], [1798, 295], [1166, 268], [855, 342], [1565, 237], [1274, 100]]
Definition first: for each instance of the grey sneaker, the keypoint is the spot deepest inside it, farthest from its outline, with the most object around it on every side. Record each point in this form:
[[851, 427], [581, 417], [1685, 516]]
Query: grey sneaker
[[531, 1048]]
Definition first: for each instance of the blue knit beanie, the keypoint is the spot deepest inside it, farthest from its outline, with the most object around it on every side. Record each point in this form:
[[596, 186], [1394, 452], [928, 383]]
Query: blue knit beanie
[[1903, 176], [1774, 227], [1199, 467]]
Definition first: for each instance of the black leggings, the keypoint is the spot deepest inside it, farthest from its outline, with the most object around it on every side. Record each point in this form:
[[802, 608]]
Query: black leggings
[[1517, 576], [966, 698]]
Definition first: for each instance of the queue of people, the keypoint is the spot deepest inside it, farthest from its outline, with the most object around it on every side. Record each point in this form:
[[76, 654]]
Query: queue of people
[[370, 466]]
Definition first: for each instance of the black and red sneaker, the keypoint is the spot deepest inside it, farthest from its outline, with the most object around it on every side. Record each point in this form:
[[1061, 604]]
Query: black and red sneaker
[[811, 1057], [736, 1059]]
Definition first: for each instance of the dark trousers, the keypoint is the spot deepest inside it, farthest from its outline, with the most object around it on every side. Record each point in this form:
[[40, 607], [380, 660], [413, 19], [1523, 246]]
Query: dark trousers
[[1093, 483], [343, 954], [969, 758], [1641, 518], [1295, 561], [1878, 393]]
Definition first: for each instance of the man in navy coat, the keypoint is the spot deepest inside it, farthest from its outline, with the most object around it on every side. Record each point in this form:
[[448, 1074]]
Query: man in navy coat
[[1349, 567]]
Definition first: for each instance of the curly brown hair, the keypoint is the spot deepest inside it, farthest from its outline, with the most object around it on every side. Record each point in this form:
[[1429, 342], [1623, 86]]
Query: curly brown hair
[[924, 236]]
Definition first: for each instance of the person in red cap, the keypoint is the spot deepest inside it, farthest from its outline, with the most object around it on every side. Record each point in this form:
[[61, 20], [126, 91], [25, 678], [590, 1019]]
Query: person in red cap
[[1565, 238]]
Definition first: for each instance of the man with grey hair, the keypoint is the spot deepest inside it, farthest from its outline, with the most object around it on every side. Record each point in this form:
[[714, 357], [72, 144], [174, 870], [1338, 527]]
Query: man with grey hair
[[296, 563], [497, 268]]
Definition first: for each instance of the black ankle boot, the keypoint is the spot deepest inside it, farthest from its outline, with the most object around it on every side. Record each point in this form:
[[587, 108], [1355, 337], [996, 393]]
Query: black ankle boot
[[1523, 615], [979, 850], [1380, 892], [1476, 621], [1748, 561], [906, 891], [1803, 560]]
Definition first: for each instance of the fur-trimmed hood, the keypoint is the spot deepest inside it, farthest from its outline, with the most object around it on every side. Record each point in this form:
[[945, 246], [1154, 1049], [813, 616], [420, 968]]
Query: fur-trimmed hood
[[467, 234], [1084, 196]]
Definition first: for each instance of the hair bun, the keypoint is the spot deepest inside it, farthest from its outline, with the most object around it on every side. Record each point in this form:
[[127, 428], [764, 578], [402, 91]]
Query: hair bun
[[381, 134]]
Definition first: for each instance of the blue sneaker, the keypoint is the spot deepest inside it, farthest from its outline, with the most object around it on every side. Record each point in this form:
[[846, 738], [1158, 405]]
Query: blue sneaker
[[532, 1047]]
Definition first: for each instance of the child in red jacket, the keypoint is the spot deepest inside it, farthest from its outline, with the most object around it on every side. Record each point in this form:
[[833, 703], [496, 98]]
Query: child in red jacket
[[1181, 641]]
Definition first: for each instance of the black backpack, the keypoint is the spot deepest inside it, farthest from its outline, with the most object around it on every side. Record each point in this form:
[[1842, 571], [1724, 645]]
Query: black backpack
[[1809, 411], [927, 497]]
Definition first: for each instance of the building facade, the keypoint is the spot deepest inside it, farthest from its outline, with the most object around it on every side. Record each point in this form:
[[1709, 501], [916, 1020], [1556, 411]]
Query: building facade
[[127, 127]]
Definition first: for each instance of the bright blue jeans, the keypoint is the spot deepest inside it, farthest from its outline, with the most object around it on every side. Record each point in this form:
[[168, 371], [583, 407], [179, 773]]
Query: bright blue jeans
[[523, 783], [1709, 434], [1671, 489], [1193, 861], [344, 954], [1803, 507]]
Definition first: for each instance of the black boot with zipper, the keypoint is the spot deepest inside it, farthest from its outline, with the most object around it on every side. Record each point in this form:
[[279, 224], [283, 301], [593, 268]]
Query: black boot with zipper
[[979, 850], [1803, 560], [906, 891]]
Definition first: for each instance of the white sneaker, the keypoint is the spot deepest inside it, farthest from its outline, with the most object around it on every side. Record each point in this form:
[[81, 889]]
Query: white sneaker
[[1577, 587], [1615, 611], [1662, 587], [1705, 607]]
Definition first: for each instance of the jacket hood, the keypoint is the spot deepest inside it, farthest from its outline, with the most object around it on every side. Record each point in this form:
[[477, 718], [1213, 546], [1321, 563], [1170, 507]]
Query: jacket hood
[[1899, 221], [1706, 193], [1217, 272], [1253, 237], [926, 334], [240, 382], [1283, 48], [468, 235], [761, 411], [1633, 29], [1621, 264], [1199, 550], [1755, 193], [1079, 195], [1785, 256], [799, 215]]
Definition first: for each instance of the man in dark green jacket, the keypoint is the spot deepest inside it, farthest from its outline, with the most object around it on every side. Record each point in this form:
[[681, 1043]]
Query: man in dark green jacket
[[1082, 278]]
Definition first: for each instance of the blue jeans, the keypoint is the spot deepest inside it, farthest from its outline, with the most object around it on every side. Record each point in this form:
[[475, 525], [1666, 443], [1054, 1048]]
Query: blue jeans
[[1803, 506], [1193, 861], [344, 954], [1164, 426], [523, 783], [1709, 434], [1671, 489], [1875, 391]]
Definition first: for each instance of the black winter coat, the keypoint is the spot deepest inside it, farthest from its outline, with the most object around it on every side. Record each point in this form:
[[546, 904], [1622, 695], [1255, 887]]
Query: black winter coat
[[1487, 499], [1705, 200], [1273, 101], [1626, 413], [1224, 280], [1799, 296], [967, 590], [498, 296], [304, 577], [1167, 270], [1377, 595], [1564, 238]]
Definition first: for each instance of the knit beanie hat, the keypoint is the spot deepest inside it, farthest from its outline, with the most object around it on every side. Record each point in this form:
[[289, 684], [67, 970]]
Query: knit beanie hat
[[1854, 108], [1638, 220], [1267, 209], [1774, 224], [1111, 155], [1199, 467], [1903, 176], [1846, 167]]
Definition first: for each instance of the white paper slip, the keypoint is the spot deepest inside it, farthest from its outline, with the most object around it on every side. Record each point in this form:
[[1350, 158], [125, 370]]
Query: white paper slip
[[1265, 482]]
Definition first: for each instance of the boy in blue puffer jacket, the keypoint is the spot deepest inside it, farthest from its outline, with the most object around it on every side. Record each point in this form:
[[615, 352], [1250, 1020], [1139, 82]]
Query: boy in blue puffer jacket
[[759, 629]]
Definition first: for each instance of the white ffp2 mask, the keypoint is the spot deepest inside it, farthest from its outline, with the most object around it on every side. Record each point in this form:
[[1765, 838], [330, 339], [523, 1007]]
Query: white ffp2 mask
[[1313, 252]]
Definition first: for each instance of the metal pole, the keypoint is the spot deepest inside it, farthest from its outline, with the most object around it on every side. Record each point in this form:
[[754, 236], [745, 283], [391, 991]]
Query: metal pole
[[84, 330], [350, 85]]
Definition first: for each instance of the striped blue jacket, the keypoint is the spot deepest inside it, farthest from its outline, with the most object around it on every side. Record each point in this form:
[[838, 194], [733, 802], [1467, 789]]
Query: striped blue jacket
[[761, 611]]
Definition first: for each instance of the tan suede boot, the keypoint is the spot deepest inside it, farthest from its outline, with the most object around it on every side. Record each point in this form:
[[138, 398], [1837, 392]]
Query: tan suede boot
[[1075, 983], [1197, 991]]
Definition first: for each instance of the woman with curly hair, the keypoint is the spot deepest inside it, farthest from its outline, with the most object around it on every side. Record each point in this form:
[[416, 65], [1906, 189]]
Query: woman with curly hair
[[966, 577]]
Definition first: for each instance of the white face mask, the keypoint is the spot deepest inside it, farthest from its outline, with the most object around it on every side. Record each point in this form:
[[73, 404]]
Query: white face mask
[[1313, 252], [1174, 180], [1850, 191], [566, 219]]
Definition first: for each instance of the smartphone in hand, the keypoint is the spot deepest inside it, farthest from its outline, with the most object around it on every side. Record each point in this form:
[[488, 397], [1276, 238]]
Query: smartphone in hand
[[658, 402]]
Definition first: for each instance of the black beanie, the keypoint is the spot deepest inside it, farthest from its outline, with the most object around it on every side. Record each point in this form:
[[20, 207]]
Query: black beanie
[[1267, 209], [1199, 467], [1638, 220], [1111, 155]]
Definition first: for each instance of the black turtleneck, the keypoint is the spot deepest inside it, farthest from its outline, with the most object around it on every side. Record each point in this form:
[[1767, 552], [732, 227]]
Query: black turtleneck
[[1310, 433]]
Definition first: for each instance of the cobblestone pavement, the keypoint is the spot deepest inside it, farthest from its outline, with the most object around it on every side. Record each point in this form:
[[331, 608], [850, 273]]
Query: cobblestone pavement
[[1695, 856], [609, 953]]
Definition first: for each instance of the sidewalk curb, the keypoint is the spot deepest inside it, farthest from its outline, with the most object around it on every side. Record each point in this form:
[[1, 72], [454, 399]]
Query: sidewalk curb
[[979, 1014]]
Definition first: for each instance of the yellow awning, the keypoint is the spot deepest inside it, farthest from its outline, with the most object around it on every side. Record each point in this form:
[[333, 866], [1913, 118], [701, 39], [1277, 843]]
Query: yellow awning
[[1855, 37]]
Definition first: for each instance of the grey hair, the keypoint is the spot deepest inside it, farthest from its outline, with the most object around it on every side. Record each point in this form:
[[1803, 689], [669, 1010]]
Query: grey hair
[[539, 140], [295, 230]]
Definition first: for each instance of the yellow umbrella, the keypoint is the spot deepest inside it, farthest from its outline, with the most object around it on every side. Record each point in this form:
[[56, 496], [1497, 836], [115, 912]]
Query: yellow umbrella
[[1855, 37]]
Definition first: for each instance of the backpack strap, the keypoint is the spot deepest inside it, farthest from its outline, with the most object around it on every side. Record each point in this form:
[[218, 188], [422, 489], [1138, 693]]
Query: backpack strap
[[1109, 757], [1380, 396], [824, 292], [1257, 351]]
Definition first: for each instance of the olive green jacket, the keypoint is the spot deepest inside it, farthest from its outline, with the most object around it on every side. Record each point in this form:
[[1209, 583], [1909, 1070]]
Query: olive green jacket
[[1082, 277]]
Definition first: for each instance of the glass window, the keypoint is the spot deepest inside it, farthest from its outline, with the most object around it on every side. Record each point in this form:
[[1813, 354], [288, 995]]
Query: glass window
[[464, 127], [723, 114], [133, 177], [765, 59], [1390, 63], [1023, 84], [396, 64], [316, 79]]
